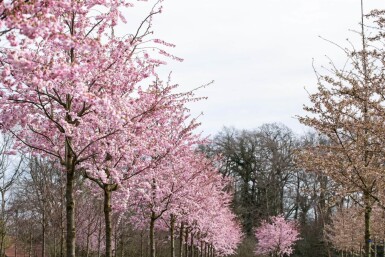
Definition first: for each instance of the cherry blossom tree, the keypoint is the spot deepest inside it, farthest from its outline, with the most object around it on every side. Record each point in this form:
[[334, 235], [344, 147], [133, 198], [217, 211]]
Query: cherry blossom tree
[[348, 109], [71, 88], [277, 236], [344, 232]]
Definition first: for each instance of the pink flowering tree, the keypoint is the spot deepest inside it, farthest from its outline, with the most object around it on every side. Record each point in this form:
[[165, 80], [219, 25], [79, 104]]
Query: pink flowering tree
[[276, 237], [76, 92]]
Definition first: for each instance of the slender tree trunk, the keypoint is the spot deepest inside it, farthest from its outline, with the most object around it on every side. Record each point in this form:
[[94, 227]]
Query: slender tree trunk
[[54, 244], [99, 237], [115, 252], [210, 250], [62, 210], [172, 239], [122, 244], [192, 245], [186, 243], [43, 231], [368, 212], [2, 248], [181, 239], [30, 244], [201, 254], [107, 220], [152, 233], [88, 243], [62, 239], [70, 208], [141, 244]]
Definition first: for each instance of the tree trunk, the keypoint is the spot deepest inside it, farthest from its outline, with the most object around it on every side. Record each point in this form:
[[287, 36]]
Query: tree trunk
[[30, 244], [368, 212], [202, 249], [172, 241], [70, 205], [2, 247], [43, 231], [99, 237], [181, 239], [192, 245], [54, 244], [88, 243], [107, 220], [152, 233], [122, 244], [115, 243], [141, 244], [186, 243]]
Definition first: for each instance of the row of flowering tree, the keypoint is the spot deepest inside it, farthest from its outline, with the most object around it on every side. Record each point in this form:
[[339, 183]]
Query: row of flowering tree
[[348, 110], [344, 232], [77, 92]]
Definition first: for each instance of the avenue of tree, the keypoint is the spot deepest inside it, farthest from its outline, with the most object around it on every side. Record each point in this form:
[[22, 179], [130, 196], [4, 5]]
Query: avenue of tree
[[99, 155]]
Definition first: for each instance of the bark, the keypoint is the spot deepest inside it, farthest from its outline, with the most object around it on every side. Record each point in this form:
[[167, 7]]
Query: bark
[[30, 244], [368, 212], [62, 236], [99, 237], [141, 244], [192, 245], [186, 243], [54, 245], [172, 239], [43, 230], [87, 244], [107, 220], [2, 248], [116, 243], [181, 239], [122, 245], [152, 233], [70, 209], [201, 254]]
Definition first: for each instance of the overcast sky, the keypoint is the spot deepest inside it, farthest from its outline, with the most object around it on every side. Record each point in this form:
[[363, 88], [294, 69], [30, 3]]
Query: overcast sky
[[259, 53]]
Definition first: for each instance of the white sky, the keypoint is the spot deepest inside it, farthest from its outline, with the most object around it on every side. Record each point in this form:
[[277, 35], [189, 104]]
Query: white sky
[[259, 53]]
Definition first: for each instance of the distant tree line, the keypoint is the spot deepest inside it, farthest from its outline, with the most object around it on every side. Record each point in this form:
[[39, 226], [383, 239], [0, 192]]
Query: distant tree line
[[267, 182]]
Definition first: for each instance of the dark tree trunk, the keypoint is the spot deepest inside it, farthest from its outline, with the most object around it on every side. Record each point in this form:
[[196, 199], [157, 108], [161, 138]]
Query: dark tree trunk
[[368, 212], [181, 239], [186, 243], [107, 220], [43, 232], [141, 244], [152, 233], [172, 239], [70, 208], [192, 245]]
